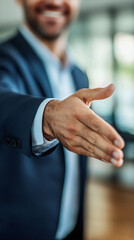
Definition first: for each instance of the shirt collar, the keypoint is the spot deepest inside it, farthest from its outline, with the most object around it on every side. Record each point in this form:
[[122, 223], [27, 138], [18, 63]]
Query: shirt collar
[[42, 51]]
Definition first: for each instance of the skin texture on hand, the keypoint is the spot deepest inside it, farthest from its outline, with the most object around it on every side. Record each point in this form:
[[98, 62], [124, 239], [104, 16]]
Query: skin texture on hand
[[80, 130]]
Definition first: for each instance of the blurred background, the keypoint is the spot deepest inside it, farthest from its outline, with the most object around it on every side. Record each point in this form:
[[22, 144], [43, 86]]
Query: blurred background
[[102, 38]]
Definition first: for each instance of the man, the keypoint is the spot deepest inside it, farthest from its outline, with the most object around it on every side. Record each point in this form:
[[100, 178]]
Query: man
[[45, 122]]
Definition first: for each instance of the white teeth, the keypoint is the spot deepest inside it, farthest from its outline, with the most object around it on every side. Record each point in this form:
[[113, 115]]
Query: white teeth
[[52, 14]]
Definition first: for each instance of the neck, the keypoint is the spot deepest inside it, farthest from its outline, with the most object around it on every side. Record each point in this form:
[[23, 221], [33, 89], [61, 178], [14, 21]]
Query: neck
[[57, 46]]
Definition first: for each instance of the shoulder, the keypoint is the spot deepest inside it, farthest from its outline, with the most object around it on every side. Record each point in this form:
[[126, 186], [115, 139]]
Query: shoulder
[[10, 43], [16, 46], [9, 50], [16, 52]]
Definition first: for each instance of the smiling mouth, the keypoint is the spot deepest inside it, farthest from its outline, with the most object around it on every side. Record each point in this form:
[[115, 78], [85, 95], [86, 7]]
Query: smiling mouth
[[52, 14]]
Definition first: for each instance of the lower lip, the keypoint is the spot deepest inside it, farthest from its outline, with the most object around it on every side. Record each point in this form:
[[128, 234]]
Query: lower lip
[[52, 18]]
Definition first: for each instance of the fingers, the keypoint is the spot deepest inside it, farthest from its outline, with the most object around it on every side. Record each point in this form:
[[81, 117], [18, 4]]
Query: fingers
[[97, 124], [100, 142], [93, 151], [88, 95], [94, 122]]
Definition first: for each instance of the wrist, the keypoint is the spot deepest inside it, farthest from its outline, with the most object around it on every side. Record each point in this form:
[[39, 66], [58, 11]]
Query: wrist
[[48, 120]]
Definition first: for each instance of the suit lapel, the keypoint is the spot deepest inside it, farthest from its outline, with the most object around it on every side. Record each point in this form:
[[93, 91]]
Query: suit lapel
[[35, 65], [79, 78]]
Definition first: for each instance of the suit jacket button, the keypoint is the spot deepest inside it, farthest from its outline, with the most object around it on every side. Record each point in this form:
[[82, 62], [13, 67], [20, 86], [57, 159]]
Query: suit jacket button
[[13, 142], [8, 140], [18, 143]]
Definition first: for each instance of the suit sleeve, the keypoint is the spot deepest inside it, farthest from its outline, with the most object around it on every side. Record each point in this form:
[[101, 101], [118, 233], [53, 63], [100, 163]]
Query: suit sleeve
[[17, 112]]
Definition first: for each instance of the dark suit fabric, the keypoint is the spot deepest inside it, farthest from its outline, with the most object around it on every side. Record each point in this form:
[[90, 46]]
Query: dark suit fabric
[[30, 187]]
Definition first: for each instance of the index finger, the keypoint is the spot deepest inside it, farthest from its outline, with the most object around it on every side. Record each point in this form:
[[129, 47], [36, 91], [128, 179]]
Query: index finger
[[96, 123]]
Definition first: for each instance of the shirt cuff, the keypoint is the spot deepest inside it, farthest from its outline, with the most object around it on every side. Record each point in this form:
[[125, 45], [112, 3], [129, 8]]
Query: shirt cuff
[[39, 143]]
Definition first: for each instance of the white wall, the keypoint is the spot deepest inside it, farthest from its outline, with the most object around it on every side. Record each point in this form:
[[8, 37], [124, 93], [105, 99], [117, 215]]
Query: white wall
[[10, 18], [100, 4], [10, 12]]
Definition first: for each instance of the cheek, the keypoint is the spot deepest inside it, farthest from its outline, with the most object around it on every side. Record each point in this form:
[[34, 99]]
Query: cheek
[[31, 4]]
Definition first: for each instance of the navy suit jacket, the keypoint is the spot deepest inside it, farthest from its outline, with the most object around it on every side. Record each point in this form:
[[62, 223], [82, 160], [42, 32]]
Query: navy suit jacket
[[30, 187]]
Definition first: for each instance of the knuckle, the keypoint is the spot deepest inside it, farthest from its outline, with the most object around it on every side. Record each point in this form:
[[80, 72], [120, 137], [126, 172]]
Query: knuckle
[[91, 149], [69, 137], [94, 90], [76, 113], [93, 139], [94, 122], [71, 141], [69, 146], [96, 125], [70, 126]]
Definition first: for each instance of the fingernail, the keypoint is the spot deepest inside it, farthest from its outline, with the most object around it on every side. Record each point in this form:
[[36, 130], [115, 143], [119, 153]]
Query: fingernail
[[117, 143], [121, 162], [116, 155], [114, 161]]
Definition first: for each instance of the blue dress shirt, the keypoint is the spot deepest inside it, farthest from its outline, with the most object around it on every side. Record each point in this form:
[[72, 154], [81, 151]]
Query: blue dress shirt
[[62, 86]]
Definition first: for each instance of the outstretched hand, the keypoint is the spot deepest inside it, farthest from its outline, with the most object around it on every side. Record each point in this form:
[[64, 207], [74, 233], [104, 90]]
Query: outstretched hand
[[80, 130]]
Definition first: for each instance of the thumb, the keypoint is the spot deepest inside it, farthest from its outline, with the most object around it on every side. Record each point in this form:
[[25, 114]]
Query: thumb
[[88, 95]]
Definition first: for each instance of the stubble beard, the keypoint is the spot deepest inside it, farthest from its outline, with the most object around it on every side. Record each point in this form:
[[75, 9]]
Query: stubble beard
[[36, 28]]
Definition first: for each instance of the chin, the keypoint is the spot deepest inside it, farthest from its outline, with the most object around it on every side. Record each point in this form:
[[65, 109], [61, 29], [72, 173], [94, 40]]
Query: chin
[[49, 33], [50, 37]]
